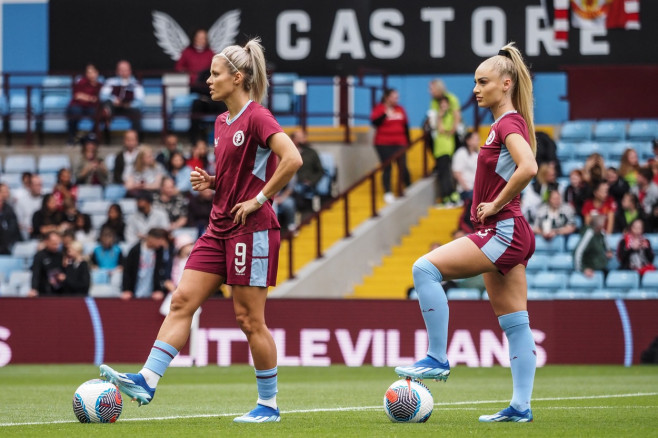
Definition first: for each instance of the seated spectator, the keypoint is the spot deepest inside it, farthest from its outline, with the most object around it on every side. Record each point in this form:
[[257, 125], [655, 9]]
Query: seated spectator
[[545, 181], [171, 145], [116, 222], [646, 189], [179, 171], [547, 151], [27, 205], [22, 191], [628, 166], [123, 95], [601, 204], [48, 218], [146, 217], [308, 175], [125, 160], [196, 58], [198, 210], [618, 187], [199, 157], [9, 230], [64, 192], [554, 218], [90, 168], [593, 170], [464, 162], [107, 254], [592, 252], [146, 174], [629, 211], [84, 233], [84, 102], [46, 267], [76, 276], [284, 206], [143, 274], [634, 250], [183, 247], [173, 202], [577, 191]]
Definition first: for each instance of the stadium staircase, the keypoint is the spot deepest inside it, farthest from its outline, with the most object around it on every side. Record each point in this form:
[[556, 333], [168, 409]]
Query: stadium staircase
[[392, 278]]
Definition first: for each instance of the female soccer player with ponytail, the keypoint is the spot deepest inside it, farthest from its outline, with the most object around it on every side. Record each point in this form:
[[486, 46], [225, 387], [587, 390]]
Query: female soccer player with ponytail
[[241, 244], [502, 242]]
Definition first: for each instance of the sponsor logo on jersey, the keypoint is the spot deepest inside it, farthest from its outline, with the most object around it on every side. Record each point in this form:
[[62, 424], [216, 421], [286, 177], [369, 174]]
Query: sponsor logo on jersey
[[216, 141], [238, 138], [483, 233], [240, 271], [490, 139]]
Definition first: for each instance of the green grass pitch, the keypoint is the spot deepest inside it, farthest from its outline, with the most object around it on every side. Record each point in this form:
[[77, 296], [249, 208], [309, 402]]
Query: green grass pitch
[[568, 401]]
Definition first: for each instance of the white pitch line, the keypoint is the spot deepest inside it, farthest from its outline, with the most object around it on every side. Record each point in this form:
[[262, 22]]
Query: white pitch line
[[370, 408]]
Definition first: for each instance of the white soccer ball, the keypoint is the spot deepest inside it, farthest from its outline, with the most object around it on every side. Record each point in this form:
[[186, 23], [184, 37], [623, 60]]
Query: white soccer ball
[[97, 401], [408, 401]]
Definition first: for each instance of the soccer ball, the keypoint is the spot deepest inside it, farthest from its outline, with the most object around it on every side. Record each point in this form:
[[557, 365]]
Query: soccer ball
[[408, 401], [97, 401]]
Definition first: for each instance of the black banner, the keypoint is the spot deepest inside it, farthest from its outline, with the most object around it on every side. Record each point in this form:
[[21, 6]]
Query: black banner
[[339, 37]]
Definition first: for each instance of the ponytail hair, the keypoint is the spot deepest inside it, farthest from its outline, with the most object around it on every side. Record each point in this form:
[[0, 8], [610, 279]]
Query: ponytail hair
[[250, 61], [509, 62]]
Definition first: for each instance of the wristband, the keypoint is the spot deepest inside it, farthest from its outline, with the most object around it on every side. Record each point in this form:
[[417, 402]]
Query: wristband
[[261, 198]]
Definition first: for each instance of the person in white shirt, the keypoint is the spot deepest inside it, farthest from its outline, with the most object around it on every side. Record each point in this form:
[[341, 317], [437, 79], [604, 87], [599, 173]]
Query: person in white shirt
[[464, 163], [27, 205], [145, 218]]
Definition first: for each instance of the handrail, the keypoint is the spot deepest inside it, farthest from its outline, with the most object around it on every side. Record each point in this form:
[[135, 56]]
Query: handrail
[[289, 235]]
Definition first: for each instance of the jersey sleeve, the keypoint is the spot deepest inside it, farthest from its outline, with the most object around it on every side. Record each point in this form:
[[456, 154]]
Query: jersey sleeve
[[264, 125], [512, 125]]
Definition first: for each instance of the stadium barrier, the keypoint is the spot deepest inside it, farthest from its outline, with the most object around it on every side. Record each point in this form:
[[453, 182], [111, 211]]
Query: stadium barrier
[[323, 332]]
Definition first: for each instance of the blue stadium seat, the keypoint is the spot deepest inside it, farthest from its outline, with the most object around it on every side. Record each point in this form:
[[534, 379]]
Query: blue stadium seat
[[587, 148], [325, 185], [552, 246], [562, 261], [641, 294], [98, 207], [152, 111], [607, 294], [540, 294], [114, 192], [568, 166], [104, 291], [653, 240], [578, 280], [25, 250], [17, 109], [56, 95], [613, 263], [109, 161], [644, 149], [613, 240], [19, 163], [576, 130], [622, 279], [48, 181], [643, 130], [13, 180], [100, 276], [90, 192], [572, 242], [616, 150], [550, 280], [192, 232], [565, 150], [52, 163], [610, 130], [456, 293], [19, 284], [538, 262], [650, 280], [97, 220], [571, 294], [128, 206], [10, 263]]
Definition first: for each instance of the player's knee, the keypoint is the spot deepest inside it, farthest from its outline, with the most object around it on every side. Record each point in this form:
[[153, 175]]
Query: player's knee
[[180, 301], [247, 323], [424, 270]]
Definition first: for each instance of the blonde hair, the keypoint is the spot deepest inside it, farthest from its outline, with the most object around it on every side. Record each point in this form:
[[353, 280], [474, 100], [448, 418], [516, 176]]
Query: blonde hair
[[625, 166], [512, 65], [140, 163], [250, 61]]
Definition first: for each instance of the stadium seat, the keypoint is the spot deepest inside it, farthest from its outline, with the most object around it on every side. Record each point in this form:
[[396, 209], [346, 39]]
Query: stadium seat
[[25, 250], [644, 149], [13, 180], [613, 240], [19, 163], [616, 150], [114, 192], [568, 166], [538, 262], [571, 294], [613, 264], [152, 111], [641, 294], [456, 293], [100, 276], [540, 294], [10, 263], [89, 192], [653, 239], [109, 162], [610, 130], [17, 110], [52, 163], [562, 261], [650, 280], [324, 187], [576, 130], [128, 206], [97, 220], [19, 284], [550, 280], [104, 291], [48, 181], [95, 207], [622, 279], [578, 280], [607, 294], [565, 150], [552, 246], [572, 242], [643, 130], [193, 232], [587, 148]]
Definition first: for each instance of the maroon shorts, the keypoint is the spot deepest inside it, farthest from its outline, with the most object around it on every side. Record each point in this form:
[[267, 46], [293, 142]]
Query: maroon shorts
[[246, 260], [508, 243]]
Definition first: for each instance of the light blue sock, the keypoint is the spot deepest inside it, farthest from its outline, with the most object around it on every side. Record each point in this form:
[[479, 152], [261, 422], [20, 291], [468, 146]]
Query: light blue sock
[[161, 356], [434, 306], [523, 356], [266, 380]]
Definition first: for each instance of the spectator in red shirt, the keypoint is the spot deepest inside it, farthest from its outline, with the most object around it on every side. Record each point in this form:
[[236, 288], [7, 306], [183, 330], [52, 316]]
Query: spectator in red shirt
[[196, 58], [84, 102], [391, 137], [601, 203]]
